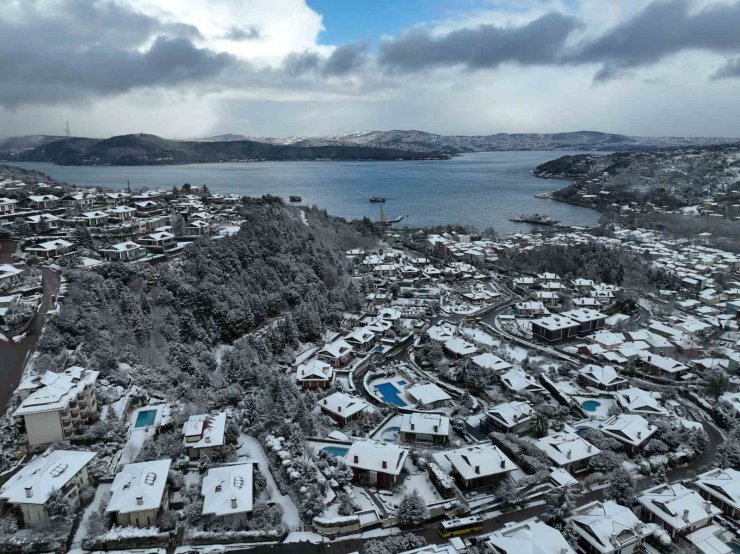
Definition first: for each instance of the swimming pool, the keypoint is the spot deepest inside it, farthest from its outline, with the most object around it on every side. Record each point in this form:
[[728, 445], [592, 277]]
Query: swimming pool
[[145, 418], [590, 405], [336, 451], [390, 394], [390, 434]]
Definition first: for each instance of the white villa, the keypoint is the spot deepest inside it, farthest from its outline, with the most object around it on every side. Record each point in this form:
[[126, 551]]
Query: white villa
[[139, 493]]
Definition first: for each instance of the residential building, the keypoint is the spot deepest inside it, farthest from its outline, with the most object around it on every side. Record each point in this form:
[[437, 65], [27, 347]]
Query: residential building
[[228, 492], [531, 536], [158, 241], [633, 431], [508, 417], [55, 472], [140, 493], [477, 466], [376, 464], [722, 488], [127, 251], [608, 528], [51, 248], [428, 396], [601, 377], [568, 450], [202, 433], [342, 407], [555, 328], [314, 374], [516, 380], [424, 428], [55, 405], [337, 353], [639, 401], [490, 362], [679, 510]]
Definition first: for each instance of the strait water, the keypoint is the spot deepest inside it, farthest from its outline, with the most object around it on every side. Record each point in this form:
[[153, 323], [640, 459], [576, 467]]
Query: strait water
[[482, 189]]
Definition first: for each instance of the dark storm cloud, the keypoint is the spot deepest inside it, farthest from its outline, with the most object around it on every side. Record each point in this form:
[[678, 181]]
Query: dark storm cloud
[[730, 69], [661, 30], [345, 59], [250, 32], [91, 48], [486, 46]]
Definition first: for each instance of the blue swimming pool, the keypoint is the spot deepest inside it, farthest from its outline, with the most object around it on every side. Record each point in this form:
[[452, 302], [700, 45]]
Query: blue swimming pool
[[145, 418], [590, 405], [336, 451], [390, 394]]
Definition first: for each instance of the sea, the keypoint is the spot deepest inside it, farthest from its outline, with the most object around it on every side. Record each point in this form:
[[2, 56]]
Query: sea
[[482, 190]]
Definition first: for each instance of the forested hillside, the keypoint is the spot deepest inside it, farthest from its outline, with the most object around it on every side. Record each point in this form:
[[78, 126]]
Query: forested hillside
[[277, 274]]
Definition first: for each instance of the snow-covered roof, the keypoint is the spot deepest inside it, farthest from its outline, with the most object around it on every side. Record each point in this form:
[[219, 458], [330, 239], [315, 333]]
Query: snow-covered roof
[[8, 270], [139, 487], [227, 489], [629, 428], [343, 404], [122, 247], [722, 483], [425, 424], [583, 315], [668, 365], [510, 413], [204, 430], [473, 462], [677, 506], [490, 361], [460, 347], [314, 370], [528, 537], [50, 471], [336, 349], [566, 447], [608, 526], [517, 380], [639, 401], [442, 333], [54, 391], [555, 323], [376, 456], [50, 245], [603, 375], [426, 394]]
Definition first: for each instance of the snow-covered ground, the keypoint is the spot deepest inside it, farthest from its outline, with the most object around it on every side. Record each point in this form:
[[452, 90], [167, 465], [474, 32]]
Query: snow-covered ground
[[251, 449], [82, 530]]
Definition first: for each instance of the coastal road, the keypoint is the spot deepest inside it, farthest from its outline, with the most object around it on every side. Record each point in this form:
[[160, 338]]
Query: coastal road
[[14, 355]]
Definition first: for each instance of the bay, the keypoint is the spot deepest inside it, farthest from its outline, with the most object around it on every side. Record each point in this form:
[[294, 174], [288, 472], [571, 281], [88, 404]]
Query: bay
[[481, 189]]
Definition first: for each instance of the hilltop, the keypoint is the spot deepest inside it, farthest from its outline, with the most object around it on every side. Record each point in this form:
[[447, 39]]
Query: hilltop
[[422, 141], [671, 179], [145, 149]]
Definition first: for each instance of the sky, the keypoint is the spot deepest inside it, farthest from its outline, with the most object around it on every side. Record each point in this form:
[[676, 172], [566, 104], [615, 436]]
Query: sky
[[326, 67]]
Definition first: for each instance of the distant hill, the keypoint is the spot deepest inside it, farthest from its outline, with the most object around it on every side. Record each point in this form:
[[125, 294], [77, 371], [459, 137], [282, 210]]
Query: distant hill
[[422, 141], [144, 149]]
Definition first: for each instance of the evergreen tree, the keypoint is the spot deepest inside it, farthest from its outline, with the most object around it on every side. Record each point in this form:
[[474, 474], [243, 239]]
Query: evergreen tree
[[412, 510]]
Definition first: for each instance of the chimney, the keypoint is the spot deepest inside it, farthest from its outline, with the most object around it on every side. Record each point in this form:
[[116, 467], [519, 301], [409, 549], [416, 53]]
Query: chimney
[[413, 426], [385, 464], [325, 402], [588, 448], [708, 507], [477, 469], [639, 434], [570, 454], [436, 428], [339, 409], [139, 500], [29, 492], [233, 503], [357, 459], [686, 515], [503, 464]]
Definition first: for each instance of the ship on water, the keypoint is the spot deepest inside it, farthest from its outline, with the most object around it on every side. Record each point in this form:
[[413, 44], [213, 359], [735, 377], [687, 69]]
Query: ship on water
[[385, 220], [377, 199], [295, 198], [537, 219]]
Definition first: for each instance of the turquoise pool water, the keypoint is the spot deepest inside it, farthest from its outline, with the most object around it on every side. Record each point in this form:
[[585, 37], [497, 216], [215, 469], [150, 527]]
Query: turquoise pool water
[[390, 394], [590, 405], [336, 451], [145, 418]]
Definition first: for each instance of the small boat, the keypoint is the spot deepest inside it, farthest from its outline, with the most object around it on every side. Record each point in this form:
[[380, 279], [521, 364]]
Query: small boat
[[537, 219], [294, 198], [377, 199]]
